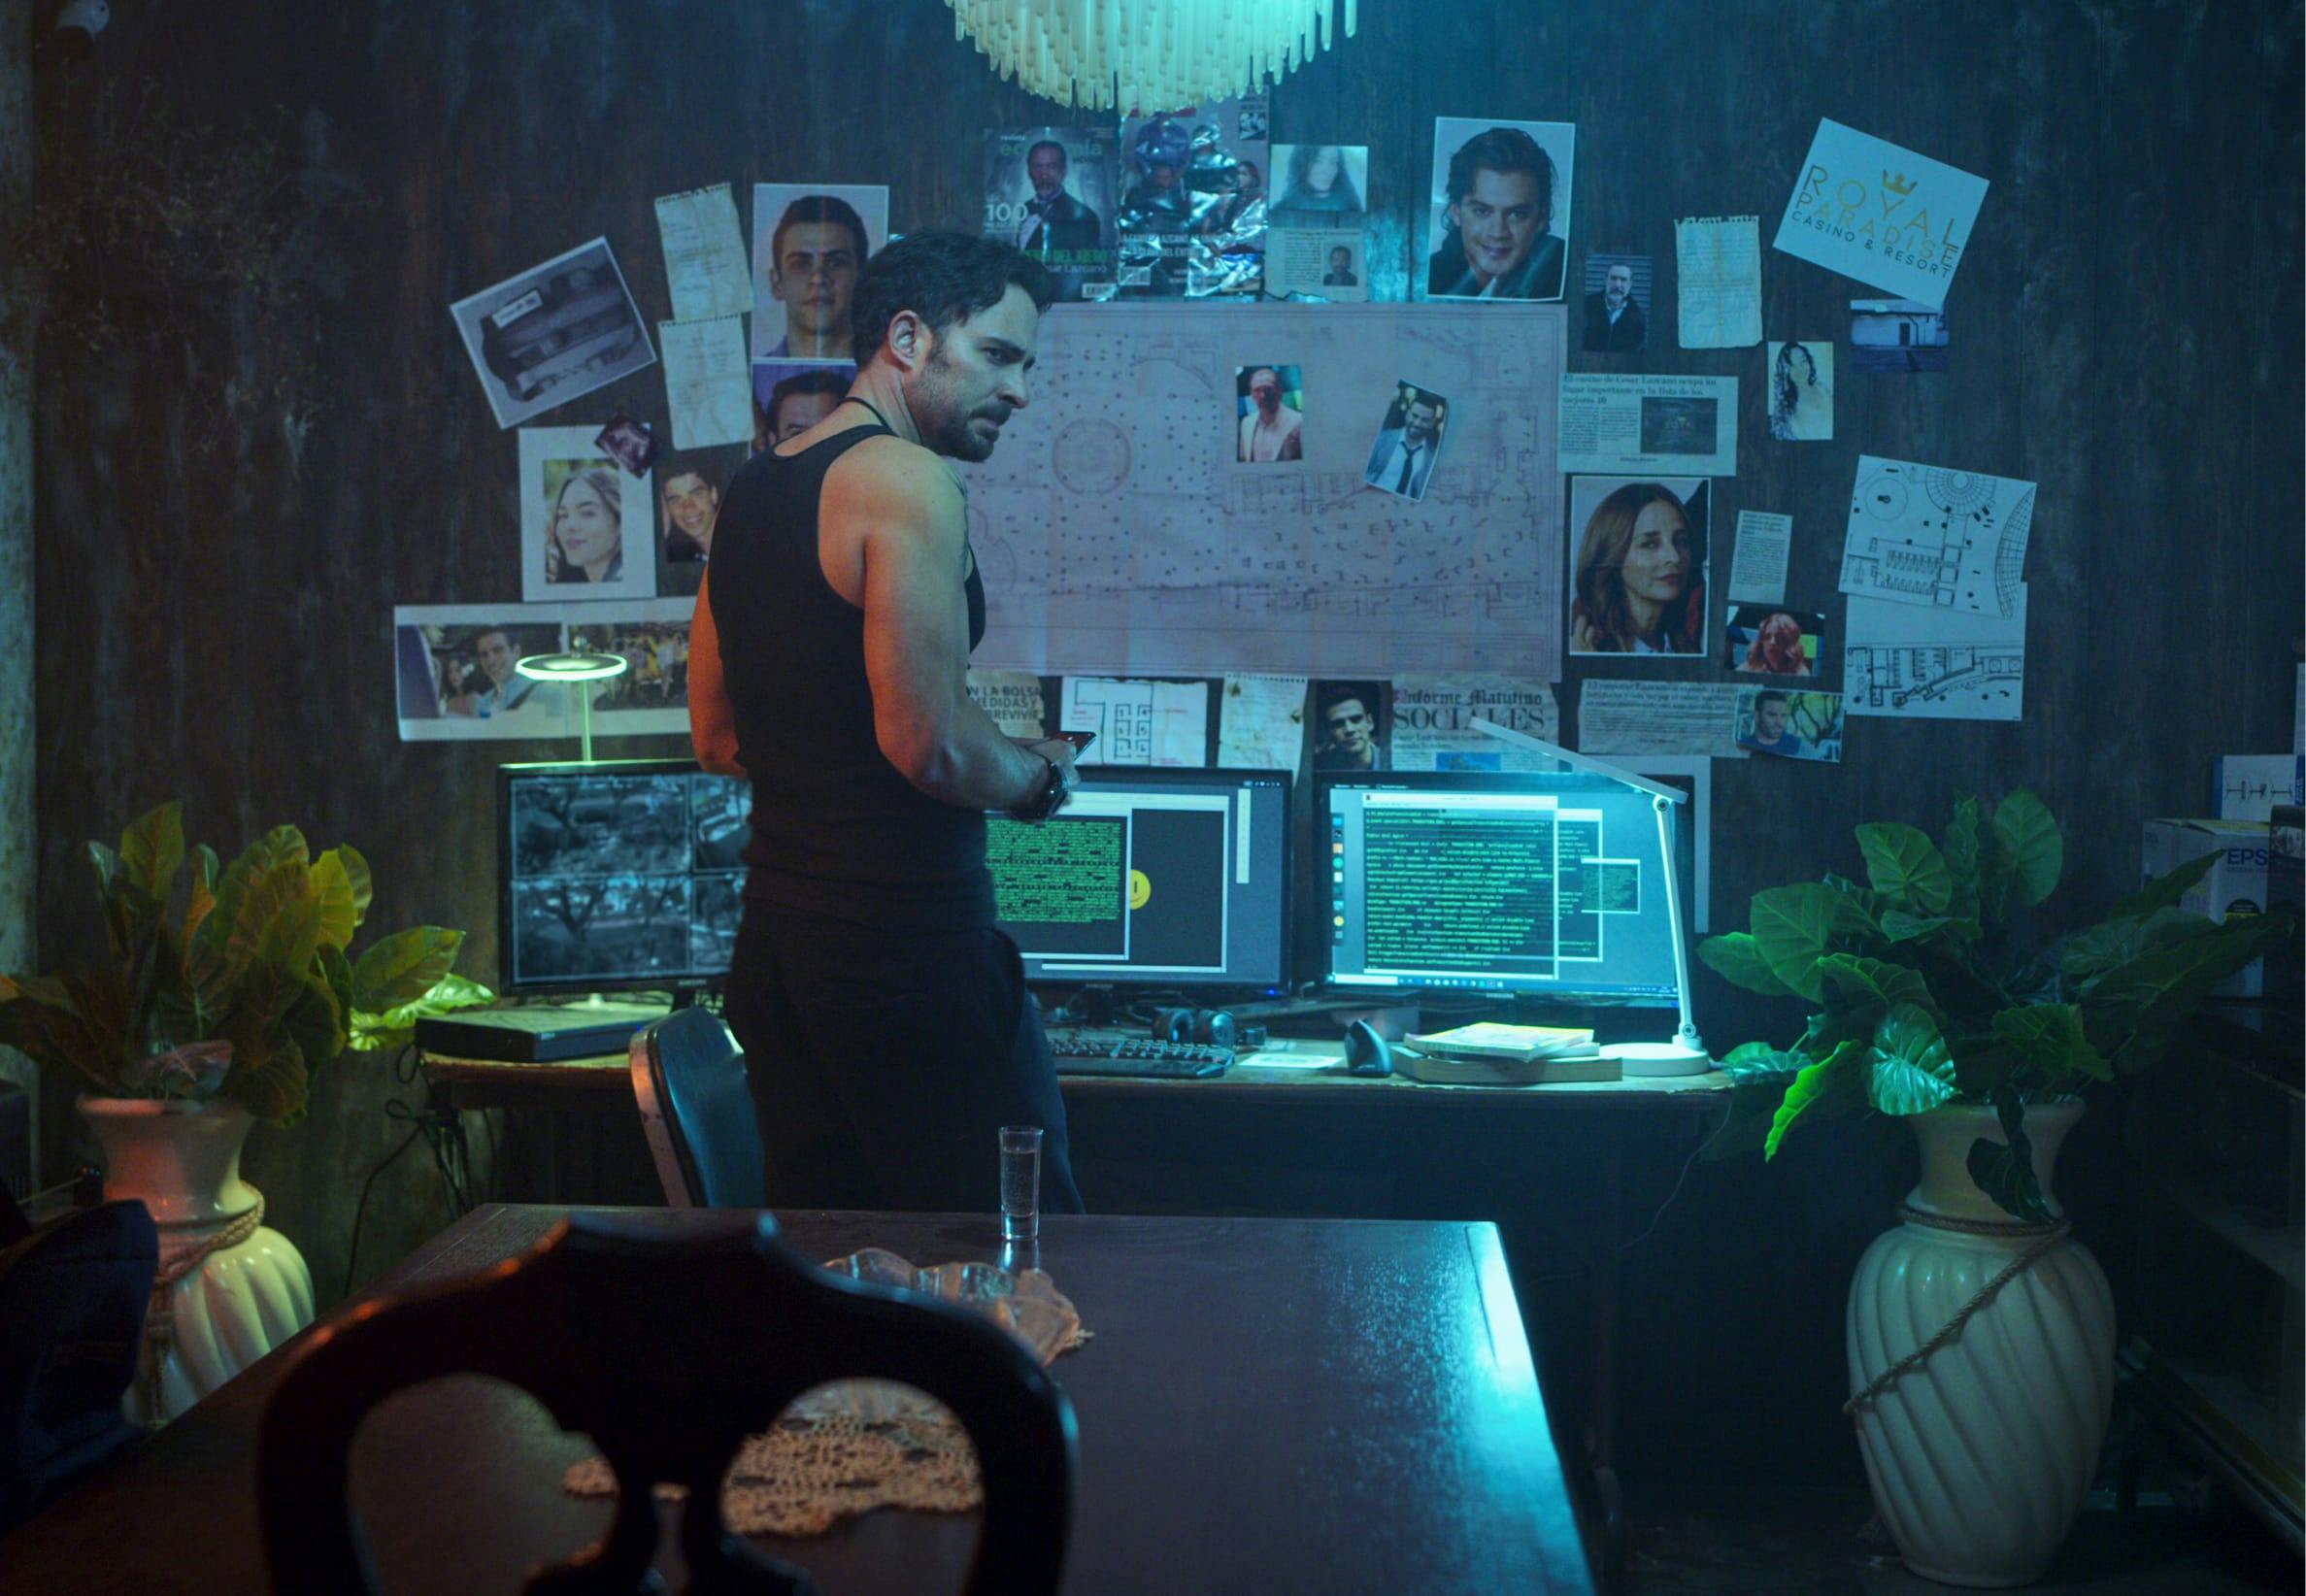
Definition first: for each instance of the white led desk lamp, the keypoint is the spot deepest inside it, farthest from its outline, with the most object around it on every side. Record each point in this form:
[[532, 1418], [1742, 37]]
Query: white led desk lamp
[[576, 669], [1685, 1053]]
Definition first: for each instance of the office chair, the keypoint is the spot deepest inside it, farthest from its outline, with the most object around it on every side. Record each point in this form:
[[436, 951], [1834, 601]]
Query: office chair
[[737, 1326], [696, 1111]]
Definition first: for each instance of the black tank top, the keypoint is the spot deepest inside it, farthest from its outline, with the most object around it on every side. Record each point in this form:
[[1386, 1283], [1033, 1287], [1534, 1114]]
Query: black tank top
[[837, 830]]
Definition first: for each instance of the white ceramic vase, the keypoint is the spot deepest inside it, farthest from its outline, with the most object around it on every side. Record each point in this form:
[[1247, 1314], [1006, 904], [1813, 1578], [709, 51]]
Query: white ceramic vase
[[1981, 1456], [182, 1160]]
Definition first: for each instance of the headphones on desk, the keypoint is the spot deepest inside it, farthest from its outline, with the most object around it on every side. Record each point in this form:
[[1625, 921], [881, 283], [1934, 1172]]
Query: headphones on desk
[[1214, 1027]]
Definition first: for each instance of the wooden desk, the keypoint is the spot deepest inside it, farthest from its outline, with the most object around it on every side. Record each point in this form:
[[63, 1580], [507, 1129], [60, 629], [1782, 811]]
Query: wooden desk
[[1268, 1406]]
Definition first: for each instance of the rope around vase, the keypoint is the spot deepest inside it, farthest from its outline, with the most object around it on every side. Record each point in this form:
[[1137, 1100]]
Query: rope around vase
[[160, 1321], [2045, 1237]]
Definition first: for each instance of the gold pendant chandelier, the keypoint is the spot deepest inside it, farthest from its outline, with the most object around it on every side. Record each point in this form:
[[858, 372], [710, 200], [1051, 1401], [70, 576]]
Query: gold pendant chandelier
[[1146, 55]]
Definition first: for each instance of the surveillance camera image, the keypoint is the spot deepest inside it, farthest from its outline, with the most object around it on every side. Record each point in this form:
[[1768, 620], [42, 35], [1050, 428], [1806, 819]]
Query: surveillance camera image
[[630, 877]]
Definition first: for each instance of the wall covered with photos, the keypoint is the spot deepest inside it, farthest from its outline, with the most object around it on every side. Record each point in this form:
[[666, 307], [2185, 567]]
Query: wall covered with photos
[[249, 458]]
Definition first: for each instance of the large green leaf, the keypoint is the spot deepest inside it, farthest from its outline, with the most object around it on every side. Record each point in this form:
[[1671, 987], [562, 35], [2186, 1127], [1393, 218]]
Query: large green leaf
[[1945, 930], [1959, 849], [2112, 943], [1912, 1070], [1759, 1061], [2028, 834], [2005, 1172], [1854, 981], [2164, 892], [2050, 1037], [1794, 927], [357, 873], [332, 890], [1820, 1092], [50, 1032], [244, 926], [201, 899], [269, 1077], [403, 966], [396, 1027], [315, 1021], [2132, 1011], [152, 850], [1905, 866], [1739, 961]]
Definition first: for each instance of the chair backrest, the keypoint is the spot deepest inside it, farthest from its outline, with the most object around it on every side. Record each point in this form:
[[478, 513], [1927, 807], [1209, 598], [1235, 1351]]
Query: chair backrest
[[696, 1111], [736, 1326]]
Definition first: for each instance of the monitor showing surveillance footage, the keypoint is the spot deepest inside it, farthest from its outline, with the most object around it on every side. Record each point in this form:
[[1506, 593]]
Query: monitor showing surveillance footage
[[618, 876]]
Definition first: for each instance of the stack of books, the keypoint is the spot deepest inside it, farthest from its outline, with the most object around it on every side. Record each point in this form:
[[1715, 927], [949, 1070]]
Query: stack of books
[[1491, 1055]]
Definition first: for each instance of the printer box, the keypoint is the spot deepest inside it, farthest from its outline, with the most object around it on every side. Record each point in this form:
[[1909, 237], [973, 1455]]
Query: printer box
[[2235, 885]]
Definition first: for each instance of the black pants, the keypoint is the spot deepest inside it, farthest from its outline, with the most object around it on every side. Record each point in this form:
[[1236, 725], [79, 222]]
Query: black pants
[[882, 1064]]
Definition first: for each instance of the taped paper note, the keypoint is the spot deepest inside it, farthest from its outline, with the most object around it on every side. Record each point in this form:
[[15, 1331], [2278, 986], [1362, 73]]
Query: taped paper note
[[1139, 722], [1624, 426], [1757, 565], [1432, 712], [708, 381], [1955, 540], [1261, 723], [1718, 262], [1658, 718], [1902, 659], [1013, 698], [1885, 215], [704, 254]]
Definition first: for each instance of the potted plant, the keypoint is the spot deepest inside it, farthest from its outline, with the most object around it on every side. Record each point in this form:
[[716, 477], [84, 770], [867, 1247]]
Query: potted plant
[[1980, 1335], [225, 987]]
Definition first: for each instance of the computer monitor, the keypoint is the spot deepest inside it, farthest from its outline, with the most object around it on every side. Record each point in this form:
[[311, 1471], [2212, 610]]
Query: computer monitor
[[1152, 878], [1544, 884], [623, 874]]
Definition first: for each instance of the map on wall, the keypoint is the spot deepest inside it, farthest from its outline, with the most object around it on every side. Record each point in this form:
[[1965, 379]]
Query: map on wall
[[1192, 492]]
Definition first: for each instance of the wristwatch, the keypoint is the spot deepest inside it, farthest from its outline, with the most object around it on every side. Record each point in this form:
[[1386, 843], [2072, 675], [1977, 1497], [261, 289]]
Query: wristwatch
[[1044, 800]]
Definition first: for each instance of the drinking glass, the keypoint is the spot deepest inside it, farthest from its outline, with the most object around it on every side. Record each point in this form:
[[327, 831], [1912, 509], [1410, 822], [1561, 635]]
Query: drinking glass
[[1020, 1182]]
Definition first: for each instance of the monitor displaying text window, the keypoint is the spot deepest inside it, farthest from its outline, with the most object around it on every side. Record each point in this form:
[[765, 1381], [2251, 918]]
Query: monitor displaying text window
[[1550, 884], [621, 875], [1152, 878]]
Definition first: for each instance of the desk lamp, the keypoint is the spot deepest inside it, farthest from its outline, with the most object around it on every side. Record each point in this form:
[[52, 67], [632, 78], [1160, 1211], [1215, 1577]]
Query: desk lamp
[[575, 668], [1685, 1053]]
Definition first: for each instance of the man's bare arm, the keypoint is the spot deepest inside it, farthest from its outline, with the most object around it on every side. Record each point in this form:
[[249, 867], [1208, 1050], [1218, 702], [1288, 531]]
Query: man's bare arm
[[909, 511], [712, 722]]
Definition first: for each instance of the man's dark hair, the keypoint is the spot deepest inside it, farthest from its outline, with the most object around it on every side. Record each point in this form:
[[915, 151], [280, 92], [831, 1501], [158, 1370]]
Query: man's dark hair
[[1503, 149], [1339, 699], [1762, 698], [815, 207], [1049, 144], [824, 379], [944, 279]]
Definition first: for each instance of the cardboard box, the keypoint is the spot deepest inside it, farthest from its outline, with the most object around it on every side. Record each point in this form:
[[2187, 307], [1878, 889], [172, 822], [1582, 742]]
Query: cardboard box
[[2235, 885]]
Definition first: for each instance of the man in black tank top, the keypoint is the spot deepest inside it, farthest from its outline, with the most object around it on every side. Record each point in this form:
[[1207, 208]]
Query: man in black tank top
[[887, 1026]]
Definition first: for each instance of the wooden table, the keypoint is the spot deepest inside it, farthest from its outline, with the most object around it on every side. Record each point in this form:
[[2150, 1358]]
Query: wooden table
[[1267, 1406], [1264, 1138]]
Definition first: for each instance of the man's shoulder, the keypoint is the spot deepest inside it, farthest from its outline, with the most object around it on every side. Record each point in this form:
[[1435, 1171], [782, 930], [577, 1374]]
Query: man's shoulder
[[884, 472]]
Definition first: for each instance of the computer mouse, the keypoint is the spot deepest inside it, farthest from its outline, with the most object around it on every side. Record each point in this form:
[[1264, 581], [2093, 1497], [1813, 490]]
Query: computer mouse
[[1365, 1051]]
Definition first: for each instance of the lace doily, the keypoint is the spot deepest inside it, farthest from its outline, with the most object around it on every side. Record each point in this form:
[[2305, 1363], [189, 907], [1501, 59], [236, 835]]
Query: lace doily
[[846, 1448]]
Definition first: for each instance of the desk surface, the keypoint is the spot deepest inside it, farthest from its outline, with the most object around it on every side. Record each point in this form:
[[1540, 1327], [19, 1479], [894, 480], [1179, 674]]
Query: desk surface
[[1268, 1406], [1254, 1078]]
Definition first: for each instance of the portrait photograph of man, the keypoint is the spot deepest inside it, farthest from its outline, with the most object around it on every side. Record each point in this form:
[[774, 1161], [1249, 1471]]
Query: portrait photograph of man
[[1617, 294], [809, 240], [1499, 226], [1048, 191], [458, 676], [688, 488], [1345, 733], [1407, 442], [791, 396], [1269, 403]]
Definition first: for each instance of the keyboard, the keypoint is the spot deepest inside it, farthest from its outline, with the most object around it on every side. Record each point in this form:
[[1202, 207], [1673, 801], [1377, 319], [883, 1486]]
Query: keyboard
[[1094, 1052]]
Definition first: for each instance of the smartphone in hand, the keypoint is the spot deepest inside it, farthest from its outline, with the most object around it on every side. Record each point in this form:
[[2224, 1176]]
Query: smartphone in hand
[[1079, 738]]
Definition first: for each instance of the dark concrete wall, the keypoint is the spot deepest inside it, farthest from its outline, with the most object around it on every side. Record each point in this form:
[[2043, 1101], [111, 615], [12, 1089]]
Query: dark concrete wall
[[226, 518]]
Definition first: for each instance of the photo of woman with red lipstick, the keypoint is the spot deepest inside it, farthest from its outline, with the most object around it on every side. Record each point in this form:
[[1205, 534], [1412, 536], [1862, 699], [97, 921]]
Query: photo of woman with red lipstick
[[1637, 581]]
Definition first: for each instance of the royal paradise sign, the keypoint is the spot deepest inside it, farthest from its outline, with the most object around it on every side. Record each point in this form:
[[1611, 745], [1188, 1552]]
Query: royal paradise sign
[[1884, 215]]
